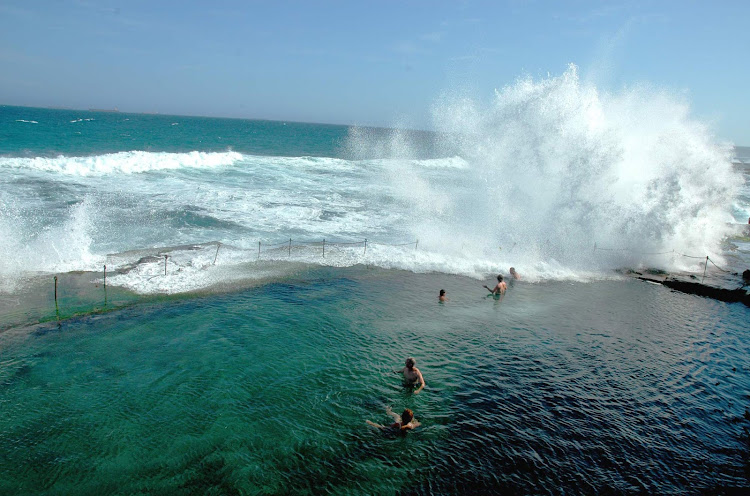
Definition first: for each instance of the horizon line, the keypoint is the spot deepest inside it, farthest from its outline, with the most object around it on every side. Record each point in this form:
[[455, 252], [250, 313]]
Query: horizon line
[[116, 110]]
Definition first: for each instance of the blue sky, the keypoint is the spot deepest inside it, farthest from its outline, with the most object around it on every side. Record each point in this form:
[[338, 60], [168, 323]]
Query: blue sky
[[368, 62]]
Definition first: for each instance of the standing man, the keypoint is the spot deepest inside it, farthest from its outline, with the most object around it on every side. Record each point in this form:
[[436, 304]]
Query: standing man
[[412, 375]]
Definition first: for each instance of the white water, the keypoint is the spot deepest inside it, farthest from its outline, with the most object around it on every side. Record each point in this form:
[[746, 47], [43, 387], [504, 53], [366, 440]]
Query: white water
[[532, 180], [554, 167], [122, 162]]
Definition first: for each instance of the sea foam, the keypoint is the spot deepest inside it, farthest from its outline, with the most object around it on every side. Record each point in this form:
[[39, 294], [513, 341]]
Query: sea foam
[[552, 176], [124, 162], [558, 172]]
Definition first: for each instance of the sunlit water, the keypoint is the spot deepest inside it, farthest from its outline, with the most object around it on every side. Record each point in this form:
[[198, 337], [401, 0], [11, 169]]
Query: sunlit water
[[263, 279], [557, 388], [553, 176]]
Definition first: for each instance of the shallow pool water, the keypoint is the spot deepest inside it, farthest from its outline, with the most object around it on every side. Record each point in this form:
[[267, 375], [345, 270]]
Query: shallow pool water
[[559, 387]]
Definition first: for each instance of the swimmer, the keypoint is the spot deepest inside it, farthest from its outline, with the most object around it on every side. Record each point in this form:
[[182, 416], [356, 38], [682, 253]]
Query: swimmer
[[442, 296], [500, 288], [514, 274], [412, 375], [403, 422]]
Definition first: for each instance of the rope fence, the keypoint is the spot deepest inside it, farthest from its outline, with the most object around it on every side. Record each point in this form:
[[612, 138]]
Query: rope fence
[[273, 250], [289, 246], [672, 252], [323, 245], [165, 254]]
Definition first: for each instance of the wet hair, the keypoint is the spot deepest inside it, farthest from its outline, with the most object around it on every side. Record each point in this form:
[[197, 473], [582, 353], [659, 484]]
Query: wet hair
[[413, 362], [512, 270], [499, 278], [442, 292], [406, 417]]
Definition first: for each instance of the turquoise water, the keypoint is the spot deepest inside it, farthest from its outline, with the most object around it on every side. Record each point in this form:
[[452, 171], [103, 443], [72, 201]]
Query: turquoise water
[[32, 132], [50, 132], [266, 391], [265, 278]]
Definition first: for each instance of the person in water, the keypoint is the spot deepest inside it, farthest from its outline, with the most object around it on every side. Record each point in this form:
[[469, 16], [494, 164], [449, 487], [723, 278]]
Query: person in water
[[412, 375], [514, 274], [401, 424], [500, 288], [442, 296]]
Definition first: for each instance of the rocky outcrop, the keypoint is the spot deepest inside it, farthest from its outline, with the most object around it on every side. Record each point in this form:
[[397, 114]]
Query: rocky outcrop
[[737, 295]]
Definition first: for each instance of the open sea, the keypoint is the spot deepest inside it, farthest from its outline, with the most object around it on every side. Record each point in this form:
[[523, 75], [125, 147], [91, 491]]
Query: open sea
[[194, 305]]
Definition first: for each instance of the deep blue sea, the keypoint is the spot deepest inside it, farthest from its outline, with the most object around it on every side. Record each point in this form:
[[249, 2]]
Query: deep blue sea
[[194, 305]]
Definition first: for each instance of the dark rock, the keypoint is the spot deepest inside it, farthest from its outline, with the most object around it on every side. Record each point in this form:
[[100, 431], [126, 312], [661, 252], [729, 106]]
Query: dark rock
[[721, 294]]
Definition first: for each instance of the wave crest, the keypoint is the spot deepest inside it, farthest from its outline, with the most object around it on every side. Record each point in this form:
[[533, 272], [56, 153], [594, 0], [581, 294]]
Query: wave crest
[[132, 162], [556, 166]]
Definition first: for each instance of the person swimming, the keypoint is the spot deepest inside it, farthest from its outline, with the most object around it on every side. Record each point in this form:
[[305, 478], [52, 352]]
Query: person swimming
[[442, 296], [514, 274], [500, 287], [401, 424], [412, 375]]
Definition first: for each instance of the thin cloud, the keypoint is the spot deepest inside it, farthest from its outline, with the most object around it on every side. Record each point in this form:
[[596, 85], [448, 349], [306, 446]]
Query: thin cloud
[[310, 52], [11, 56], [410, 47], [406, 48], [460, 22], [12, 11], [436, 37], [115, 15], [465, 58], [599, 13]]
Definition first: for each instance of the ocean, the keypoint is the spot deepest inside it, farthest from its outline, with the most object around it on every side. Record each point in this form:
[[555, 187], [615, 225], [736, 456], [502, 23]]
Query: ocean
[[216, 306]]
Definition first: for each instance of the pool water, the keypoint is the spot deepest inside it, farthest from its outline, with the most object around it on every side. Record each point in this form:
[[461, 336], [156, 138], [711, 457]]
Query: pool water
[[602, 387]]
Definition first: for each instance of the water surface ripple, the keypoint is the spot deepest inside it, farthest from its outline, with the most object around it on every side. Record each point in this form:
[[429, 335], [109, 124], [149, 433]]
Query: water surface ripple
[[615, 387]]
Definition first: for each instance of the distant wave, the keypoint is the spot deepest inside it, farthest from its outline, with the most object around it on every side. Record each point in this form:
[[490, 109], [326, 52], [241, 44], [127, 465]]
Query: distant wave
[[124, 162], [24, 120], [306, 163], [442, 163], [134, 162]]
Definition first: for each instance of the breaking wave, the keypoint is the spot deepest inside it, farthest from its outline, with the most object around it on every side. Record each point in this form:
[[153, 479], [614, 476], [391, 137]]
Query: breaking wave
[[124, 162]]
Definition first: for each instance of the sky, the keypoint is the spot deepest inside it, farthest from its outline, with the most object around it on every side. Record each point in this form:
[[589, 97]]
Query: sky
[[380, 63]]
